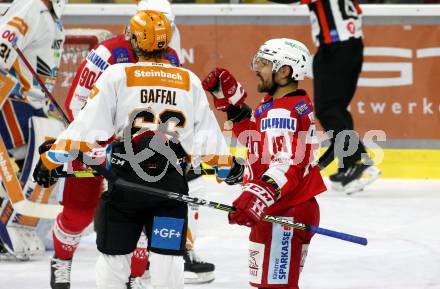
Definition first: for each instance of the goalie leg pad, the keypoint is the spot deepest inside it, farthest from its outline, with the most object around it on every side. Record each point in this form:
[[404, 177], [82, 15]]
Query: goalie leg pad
[[166, 271], [14, 122], [24, 242]]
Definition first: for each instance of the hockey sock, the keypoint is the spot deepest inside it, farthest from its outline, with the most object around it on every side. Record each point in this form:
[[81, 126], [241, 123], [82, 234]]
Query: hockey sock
[[64, 243], [139, 259], [67, 231]]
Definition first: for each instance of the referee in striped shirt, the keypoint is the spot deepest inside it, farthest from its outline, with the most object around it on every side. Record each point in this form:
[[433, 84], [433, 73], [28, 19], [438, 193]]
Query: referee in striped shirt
[[337, 31]]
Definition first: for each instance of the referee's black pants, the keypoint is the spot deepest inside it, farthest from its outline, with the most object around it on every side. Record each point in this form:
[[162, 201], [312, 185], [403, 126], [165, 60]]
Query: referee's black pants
[[336, 69]]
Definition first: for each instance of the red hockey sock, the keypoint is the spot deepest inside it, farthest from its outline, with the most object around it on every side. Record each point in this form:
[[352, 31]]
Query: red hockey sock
[[64, 243], [139, 262], [67, 231]]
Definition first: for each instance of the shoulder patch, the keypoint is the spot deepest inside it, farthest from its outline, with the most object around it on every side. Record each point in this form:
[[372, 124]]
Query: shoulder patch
[[263, 108], [121, 55], [302, 108]]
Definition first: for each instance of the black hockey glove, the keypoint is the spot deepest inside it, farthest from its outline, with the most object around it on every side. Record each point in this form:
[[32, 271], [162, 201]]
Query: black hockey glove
[[45, 146], [236, 174], [42, 175]]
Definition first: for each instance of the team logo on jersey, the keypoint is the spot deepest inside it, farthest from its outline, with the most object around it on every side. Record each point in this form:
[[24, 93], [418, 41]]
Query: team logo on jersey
[[334, 35], [280, 254], [302, 108], [279, 123], [167, 233], [263, 108], [121, 55], [57, 43], [97, 60]]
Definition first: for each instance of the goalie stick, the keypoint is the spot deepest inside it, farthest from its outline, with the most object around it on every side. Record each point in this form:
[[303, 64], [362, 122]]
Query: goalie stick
[[13, 188], [196, 201]]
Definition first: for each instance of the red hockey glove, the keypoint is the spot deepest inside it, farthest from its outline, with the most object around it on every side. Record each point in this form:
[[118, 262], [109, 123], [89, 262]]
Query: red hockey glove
[[225, 89], [257, 195]]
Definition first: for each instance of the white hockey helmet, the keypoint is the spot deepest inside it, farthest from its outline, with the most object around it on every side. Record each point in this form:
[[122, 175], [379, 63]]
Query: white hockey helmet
[[157, 5], [284, 51], [58, 6]]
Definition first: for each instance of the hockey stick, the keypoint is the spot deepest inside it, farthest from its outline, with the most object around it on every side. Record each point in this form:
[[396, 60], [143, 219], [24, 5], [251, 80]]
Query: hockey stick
[[43, 87], [91, 173], [13, 188], [196, 201]]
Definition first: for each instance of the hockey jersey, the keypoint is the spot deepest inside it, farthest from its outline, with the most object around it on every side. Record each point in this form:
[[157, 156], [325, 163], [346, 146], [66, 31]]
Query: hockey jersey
[[111, 51], [334, 20], [30, 26], [150, 95], [282, 144]]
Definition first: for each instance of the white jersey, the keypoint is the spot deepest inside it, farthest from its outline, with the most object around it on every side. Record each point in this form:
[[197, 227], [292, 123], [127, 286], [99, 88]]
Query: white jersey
[[109, 52], [30, 26], [175, 43], [143, 95]]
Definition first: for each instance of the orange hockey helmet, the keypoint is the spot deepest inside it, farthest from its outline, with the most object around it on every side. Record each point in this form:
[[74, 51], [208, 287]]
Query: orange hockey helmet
[[151, 30]]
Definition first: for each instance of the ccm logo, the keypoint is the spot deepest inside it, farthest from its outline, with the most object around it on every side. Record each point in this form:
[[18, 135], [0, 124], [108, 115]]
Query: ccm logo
[[405, 69]]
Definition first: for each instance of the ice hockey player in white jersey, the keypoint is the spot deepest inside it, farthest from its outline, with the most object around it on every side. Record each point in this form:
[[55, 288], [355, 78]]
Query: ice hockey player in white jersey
[[82, 209], [34, 27], [161, 118]]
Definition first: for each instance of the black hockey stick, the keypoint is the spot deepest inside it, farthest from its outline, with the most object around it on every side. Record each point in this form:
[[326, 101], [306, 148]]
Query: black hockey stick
[[92, 173], [196, 201]]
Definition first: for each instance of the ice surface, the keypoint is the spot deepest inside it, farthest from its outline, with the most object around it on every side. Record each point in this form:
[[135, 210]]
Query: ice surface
[[400, 218]]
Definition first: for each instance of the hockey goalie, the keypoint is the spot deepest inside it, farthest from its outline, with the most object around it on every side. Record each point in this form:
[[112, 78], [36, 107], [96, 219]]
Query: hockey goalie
[[35, 28]]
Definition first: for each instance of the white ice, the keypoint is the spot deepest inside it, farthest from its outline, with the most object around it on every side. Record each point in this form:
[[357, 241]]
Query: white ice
[[400, 218]]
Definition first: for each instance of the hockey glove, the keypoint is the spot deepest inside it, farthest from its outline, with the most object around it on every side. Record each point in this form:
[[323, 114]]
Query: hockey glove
[[45, 146], [225, 89], [236, 174], [250, 206], [43, 176]]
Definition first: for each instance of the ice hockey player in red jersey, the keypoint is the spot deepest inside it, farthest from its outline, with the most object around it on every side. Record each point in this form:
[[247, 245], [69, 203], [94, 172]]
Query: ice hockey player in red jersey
[[281, 176]]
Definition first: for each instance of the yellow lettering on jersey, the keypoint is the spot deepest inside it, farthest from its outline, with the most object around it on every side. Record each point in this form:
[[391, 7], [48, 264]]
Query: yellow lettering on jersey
[[19, 23], [157, 76]]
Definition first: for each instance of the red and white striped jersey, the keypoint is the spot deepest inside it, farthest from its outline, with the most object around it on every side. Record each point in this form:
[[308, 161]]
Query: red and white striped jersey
[[110, 51], [282, 144]]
